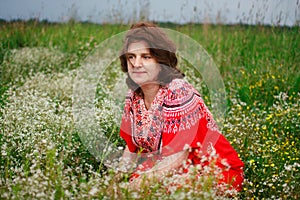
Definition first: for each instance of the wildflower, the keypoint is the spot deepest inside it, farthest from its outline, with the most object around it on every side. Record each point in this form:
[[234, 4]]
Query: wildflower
[[93, 191], [251, 161], [269, 116]]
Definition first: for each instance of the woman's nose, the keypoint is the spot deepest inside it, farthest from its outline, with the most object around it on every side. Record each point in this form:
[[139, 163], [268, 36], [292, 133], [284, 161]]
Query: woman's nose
[[137, 62]]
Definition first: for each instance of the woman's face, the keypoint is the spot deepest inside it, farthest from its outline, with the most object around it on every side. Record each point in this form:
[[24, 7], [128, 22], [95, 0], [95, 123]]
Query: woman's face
[[142, 67]]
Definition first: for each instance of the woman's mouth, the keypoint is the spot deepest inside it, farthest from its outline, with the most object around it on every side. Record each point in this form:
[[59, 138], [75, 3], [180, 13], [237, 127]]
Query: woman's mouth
[[138, 72]]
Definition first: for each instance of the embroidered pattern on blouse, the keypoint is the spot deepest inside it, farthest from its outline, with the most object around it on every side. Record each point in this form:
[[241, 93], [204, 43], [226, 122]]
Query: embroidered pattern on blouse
[[184, 107], [147, 124], [176, 107]]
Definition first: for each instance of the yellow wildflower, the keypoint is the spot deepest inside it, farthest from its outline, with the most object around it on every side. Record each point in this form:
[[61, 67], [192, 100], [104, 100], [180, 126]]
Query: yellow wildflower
[[269, 116]]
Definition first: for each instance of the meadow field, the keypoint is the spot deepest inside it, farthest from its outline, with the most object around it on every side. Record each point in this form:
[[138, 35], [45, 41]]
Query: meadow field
[[42, 155]]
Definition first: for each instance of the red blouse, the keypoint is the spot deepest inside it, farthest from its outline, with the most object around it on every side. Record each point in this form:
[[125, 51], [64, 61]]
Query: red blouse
[[177, 119]]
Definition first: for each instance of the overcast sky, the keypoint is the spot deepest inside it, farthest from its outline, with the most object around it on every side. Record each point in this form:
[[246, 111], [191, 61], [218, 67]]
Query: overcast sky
[[282, 12]]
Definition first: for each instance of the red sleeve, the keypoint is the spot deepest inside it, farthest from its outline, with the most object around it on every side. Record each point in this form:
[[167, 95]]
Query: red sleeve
[[187, 120], [234, 175], [126, 124], [227, 160], [189, 123]]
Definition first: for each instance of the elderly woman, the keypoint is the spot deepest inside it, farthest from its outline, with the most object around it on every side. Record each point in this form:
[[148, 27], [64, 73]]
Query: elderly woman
[[165, 123]]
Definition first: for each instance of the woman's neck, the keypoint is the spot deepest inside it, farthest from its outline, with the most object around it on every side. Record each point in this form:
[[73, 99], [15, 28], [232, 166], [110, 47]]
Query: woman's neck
[[149, 91]]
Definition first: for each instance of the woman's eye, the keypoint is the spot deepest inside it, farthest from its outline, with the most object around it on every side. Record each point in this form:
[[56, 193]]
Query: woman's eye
[[147, 57], [130, 57]]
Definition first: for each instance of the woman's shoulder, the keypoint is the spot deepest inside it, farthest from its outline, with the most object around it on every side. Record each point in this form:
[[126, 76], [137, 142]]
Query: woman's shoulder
[[179, 89], [129, 98], [179, 84], [130, 95]]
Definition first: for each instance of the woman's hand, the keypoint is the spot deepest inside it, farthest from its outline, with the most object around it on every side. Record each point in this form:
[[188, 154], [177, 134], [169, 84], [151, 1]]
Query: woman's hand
[[169, 163], [127, 161], [162, 168]]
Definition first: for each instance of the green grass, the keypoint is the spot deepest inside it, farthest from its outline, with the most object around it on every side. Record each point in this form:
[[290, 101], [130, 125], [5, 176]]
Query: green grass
[[41, 151]]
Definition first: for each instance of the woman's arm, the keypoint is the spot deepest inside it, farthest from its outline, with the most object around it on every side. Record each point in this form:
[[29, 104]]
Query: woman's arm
[[161, 167], [127, 161], [168, 163]]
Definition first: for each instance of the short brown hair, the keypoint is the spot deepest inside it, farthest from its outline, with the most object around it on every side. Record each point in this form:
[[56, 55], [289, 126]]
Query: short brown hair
[[160, 47]]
